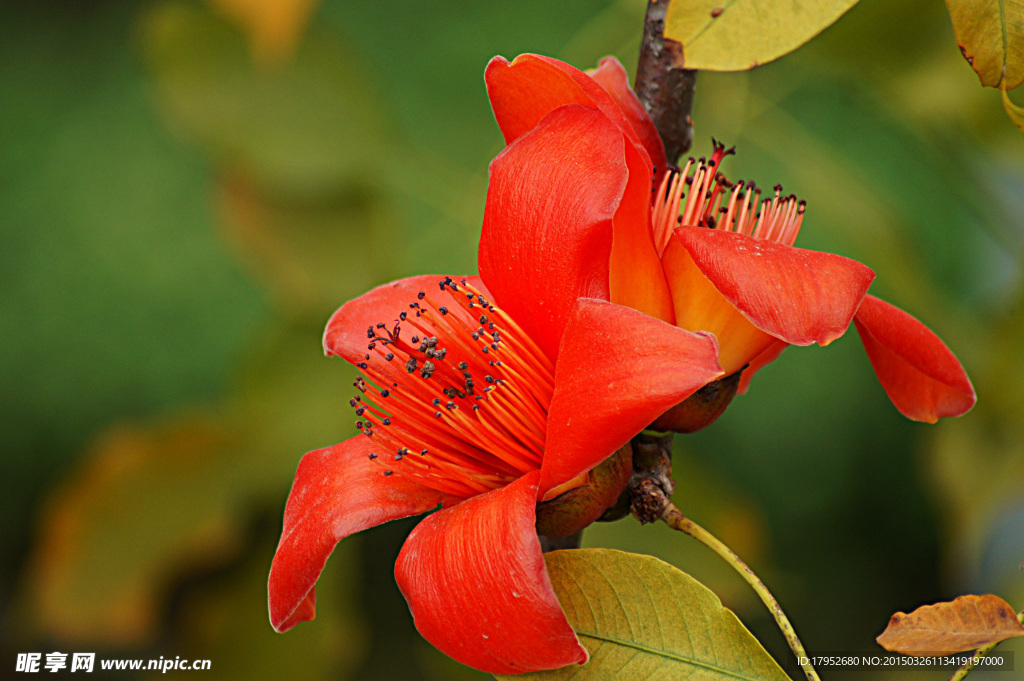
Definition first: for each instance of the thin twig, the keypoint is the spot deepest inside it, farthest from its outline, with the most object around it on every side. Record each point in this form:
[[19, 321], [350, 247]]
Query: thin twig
[[677, 521], [965, 669], [663, 86]]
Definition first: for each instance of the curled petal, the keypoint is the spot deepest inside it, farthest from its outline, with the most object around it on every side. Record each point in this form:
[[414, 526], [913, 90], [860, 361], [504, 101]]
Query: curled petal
[[612, 77], [767, 356], [618, 370], [345, 335], [524, 91], [921, 376], [794, 294], [478, 589], [337, 491], [547, 232], [699, 306]]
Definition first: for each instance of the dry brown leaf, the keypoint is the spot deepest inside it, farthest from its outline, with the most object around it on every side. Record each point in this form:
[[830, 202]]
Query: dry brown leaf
[[966, 623]]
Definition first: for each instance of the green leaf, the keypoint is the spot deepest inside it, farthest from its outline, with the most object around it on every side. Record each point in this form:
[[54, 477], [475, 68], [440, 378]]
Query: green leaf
[[641, 618], [724, 35], [991, 38]]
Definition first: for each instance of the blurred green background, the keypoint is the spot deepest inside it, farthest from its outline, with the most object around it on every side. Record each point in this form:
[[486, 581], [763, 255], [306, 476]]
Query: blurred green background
[[188, 190]]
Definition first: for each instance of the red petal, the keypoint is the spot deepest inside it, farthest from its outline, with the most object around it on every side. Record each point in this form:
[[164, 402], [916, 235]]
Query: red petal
[[919, 373], [767, 356], [337, 491], [476, 584], [699, 306], [547, 232], [636, 277], [345, 334], [612, 77], [526, 90], [799, 296], [617, 371]]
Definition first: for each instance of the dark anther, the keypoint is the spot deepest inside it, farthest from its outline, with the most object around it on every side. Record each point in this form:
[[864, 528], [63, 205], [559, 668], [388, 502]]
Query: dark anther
[[410, 366], [421, 295], [398, 457], [359, 425], [373, 455], [423, 452], [403, 315], [362, 365], [387, 473], [384, 393], [494, 346], [390, 356], [352, 402], [437, 401], [386, 422], [476, 407], [450, 406], [443, 309], [366, 357], [428, 369], [371, 346], [382, 325], [485, 349], [369, 332], [437, 414], [476, 336], [415, 340], [360, 411], [463, 366], [483, 319]]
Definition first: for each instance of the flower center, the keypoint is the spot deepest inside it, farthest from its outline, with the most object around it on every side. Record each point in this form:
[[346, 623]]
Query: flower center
[[454, 393], [716, 203]]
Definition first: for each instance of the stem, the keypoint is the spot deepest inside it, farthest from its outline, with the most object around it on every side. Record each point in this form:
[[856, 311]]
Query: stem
[[966, 667], [677, 521], [663, 86]]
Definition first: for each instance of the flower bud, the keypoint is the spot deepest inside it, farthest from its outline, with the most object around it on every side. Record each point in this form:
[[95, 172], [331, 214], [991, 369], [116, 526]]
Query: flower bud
[[572, 511], [700, 409]]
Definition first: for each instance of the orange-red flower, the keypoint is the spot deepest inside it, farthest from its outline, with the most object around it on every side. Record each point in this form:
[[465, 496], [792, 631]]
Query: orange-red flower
[[592, 316], [487, 395], [704, 254]]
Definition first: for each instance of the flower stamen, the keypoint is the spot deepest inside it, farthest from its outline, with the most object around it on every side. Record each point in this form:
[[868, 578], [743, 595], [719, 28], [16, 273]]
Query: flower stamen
[[454, 393], [716, 203]]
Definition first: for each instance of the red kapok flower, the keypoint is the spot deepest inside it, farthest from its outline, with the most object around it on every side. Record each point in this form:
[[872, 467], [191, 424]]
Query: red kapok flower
[[486, 396], [719, 260]]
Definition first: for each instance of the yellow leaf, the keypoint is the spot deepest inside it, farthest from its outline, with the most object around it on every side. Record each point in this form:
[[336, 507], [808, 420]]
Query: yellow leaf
[[966, 623], [641, 618], [991, 38], [274, 26], [735, 35], [1015, 112]]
